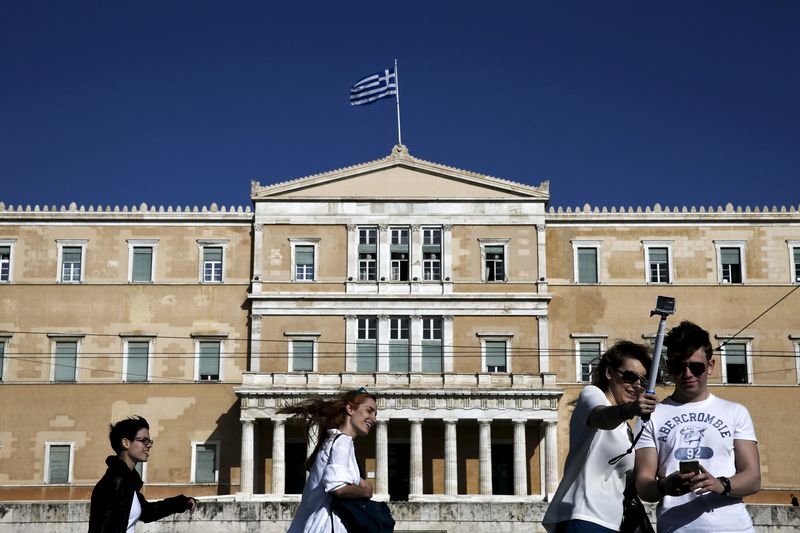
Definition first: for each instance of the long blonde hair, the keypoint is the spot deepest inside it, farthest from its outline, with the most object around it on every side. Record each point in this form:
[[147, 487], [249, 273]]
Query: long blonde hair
[[325, 415]]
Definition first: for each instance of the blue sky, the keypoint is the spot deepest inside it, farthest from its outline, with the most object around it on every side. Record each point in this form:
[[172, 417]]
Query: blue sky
[[615, 102]]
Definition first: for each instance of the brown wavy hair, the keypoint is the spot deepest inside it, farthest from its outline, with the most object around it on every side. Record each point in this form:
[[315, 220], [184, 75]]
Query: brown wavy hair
[[325, 415]]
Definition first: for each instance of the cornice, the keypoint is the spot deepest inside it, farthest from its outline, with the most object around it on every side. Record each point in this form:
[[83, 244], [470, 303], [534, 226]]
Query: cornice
[[728, 213], [140, 212]]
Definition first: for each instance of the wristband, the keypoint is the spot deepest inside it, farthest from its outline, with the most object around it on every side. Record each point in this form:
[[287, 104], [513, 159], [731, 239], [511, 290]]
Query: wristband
[[726, 485], [661, 490]]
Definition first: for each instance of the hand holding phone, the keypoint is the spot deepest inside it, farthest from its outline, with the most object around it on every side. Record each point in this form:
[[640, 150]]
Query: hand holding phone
[[689, 467]]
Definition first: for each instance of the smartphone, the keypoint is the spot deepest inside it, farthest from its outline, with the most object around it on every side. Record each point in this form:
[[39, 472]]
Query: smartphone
[[690, 466]]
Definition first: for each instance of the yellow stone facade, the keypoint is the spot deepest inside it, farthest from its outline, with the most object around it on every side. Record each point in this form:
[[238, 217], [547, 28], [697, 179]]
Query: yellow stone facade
[[488, 275]]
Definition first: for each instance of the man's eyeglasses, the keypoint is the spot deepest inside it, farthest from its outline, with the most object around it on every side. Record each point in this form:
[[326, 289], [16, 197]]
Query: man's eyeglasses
[[677, 368], [144, 440], [629, 376]]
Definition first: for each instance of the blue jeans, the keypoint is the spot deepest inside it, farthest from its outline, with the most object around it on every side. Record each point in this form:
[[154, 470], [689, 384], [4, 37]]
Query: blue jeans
[[581, 526]]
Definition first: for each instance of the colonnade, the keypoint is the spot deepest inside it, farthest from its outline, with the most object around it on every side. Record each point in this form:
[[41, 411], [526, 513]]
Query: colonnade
[[416, 473]]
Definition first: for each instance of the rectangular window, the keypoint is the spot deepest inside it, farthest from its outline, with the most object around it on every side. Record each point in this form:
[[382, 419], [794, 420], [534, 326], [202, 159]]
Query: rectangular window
[[588, 358], [136, 364], [66, 360], [399, 250], [209, 360], [587, 265], [398, 344], [71, 259], [735, 361], [431, 254], [367, 345], [142, 267], [302, 356], [212, 264], [731, 263], [658, 263], [796, 263], [304, 263], [5, 264], [367, 254], [58, 459], [432, 345], [205, 463], [495, 352], [495, 263]]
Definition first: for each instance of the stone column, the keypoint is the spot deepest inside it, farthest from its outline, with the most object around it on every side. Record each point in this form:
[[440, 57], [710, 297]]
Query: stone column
[[255, 343], [544, 344], [485, 455], [415, 485], [258, 256], [450, 457], [278, 456], [382, 458], [551, 459], [247, 467], [520, 468], [541, 256]]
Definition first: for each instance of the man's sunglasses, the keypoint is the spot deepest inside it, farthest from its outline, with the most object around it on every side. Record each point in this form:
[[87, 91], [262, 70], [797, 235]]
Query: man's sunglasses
[[679, 367], [629, 376]]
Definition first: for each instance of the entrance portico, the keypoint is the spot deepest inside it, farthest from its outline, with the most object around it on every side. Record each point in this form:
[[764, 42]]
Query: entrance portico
[[437, 415]]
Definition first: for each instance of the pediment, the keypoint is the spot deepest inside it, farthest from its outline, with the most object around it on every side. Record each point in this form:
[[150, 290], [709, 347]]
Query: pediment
[[399, 176]]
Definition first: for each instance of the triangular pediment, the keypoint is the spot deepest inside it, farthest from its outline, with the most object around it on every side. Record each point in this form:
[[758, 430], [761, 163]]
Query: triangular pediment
[[400, 176]]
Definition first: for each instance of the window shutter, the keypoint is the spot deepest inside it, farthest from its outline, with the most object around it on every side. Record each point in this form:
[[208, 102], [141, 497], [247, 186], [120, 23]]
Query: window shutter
[[137, 361], [66, 353], [71, 254], [366, 357], [398, 356], [304, 255], [658, 255], [587, 265], [303, 356], [205, 463], [494, 250], [432, 357], [142, 264], [58, 464], [729, 256], [495, 353], [735, 354], [212, 253], [209, 360]]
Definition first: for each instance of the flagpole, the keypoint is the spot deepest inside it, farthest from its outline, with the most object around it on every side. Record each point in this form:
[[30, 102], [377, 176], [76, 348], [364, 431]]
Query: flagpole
[[397, 99]]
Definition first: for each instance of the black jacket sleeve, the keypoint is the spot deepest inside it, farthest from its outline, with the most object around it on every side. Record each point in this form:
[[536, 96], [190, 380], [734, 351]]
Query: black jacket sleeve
[[152, 511]]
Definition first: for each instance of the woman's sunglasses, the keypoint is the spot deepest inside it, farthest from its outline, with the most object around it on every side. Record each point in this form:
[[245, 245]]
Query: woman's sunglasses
[[696, 368], [631, 377]]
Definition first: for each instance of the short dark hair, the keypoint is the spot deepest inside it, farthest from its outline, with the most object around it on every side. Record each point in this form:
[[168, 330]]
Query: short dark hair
[[685, 339], [615, 356], [125, 429]]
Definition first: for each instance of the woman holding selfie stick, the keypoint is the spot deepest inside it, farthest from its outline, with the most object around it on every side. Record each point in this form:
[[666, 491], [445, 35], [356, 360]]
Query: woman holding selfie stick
[[332, 466], [589, 497]]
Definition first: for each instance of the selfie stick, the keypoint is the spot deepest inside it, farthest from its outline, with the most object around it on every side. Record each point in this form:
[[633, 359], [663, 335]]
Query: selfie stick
[[665, 306]]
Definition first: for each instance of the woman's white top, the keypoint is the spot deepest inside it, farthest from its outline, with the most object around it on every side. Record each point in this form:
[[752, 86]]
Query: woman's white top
[[591, 489], [136, 512], [334, 467]]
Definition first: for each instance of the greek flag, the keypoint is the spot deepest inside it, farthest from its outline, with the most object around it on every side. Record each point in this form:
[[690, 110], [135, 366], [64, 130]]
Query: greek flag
[[374, 87]]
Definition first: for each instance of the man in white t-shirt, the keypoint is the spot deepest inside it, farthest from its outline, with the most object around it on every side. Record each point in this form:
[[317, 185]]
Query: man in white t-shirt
[[693, 425]]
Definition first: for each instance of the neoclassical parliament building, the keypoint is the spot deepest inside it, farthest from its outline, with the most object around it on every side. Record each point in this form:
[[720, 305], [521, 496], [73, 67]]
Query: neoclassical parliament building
[[469, 306]]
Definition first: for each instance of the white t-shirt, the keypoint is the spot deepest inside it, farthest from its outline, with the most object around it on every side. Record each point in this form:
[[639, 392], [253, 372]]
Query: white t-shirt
[[133, 516], [702, 431], [334, 467], [591, 489]]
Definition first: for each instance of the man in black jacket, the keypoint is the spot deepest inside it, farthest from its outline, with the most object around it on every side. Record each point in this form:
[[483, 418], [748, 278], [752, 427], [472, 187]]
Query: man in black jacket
[[117, 503]]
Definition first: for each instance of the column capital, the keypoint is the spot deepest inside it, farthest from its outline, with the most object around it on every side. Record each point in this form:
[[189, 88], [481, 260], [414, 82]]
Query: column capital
[[415, 420], [382, 422], [258, 228], [447, 227], [450, 420], [351, 227], [522, 421], [485, 422], [383, 227]]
